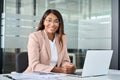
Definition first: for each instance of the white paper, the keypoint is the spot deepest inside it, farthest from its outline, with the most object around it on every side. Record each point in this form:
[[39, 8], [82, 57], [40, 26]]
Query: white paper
[[37, 76]]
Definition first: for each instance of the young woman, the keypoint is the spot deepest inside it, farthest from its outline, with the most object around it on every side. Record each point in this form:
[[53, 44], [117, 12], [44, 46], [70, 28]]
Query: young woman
[[47, 50]]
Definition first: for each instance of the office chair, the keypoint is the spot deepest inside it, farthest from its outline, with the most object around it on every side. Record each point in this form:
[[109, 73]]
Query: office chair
[[21, 61]]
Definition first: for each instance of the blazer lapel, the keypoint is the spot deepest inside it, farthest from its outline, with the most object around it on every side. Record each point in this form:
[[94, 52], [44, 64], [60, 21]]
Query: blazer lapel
[[58, 50], [57, 44], [47, 43]]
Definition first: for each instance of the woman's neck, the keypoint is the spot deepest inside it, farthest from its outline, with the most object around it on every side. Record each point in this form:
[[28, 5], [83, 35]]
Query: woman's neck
[[51, 36]]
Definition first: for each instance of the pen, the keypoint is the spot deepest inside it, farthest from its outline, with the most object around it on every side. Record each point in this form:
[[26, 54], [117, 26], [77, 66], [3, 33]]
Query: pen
[[9, 77]]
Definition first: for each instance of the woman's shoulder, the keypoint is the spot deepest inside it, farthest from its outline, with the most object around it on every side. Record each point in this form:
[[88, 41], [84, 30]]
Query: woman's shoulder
[[64, 37], [35, 33]]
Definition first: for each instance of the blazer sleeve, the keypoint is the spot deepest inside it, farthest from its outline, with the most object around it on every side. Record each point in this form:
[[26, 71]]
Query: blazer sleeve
[[66, 58], [34, 55]]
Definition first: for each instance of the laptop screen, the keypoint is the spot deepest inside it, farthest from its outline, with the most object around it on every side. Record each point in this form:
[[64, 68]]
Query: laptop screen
[[97, 62]]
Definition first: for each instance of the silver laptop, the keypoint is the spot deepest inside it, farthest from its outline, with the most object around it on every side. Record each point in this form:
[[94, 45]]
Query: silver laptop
[[96, 63]]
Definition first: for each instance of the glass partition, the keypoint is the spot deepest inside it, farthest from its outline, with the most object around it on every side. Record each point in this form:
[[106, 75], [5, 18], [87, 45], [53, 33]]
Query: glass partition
[[87, 24]]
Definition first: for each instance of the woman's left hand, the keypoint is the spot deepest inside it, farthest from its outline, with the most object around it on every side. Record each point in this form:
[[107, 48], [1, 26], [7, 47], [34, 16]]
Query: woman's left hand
[[70, 68]]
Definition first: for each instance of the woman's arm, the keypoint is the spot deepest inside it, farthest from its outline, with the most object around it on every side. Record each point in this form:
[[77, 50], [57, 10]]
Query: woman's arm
[[34, 55]]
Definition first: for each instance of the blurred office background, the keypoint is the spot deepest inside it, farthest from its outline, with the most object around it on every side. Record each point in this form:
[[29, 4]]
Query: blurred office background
[[88, 25]]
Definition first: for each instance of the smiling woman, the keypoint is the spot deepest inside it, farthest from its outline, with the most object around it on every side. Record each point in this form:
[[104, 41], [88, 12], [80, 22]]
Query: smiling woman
[[47, 50]]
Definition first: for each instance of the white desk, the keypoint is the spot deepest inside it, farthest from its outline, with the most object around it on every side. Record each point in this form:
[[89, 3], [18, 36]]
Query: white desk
[[113, 75]]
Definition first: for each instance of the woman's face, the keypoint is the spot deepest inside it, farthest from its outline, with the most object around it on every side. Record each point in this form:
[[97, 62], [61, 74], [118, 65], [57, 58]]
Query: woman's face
[[51, 23]]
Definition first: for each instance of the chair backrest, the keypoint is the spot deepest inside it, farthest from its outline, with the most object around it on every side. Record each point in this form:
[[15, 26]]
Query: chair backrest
[[21, 61]]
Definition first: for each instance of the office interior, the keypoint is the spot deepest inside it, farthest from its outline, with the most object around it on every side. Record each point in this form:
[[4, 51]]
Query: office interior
[[88, 24]]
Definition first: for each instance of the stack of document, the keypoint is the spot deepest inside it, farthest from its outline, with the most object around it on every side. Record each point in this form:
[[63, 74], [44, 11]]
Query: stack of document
[[36, 76]]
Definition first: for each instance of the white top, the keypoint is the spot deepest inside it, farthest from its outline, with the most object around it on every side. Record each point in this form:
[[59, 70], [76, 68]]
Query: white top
[[54, 54]]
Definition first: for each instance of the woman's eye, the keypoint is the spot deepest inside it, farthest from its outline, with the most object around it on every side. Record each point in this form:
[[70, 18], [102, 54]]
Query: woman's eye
[[56, 21], [49, 20]]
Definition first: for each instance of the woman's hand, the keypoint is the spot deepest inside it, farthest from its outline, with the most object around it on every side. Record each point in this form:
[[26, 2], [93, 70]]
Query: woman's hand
[[69, 68]]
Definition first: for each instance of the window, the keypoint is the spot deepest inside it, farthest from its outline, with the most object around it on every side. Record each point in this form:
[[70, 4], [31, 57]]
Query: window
[[86, 26]]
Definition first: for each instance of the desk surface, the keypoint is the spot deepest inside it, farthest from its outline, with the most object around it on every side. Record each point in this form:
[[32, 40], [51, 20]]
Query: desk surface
[[113, 75]]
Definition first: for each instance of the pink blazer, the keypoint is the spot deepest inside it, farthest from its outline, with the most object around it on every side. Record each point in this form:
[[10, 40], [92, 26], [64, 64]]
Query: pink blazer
[[39, 53]]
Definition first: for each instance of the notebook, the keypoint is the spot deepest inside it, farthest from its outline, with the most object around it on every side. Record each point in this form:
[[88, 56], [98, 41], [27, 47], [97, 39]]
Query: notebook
[[96, 63]]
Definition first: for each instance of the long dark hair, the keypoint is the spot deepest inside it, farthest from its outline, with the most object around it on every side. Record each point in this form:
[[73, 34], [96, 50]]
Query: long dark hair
[[60, 30]]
